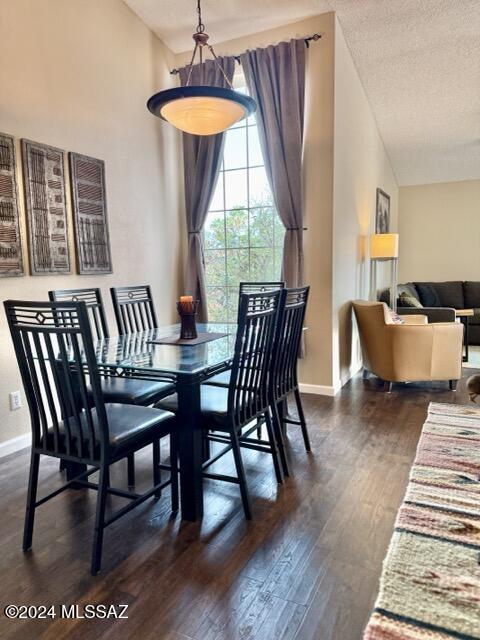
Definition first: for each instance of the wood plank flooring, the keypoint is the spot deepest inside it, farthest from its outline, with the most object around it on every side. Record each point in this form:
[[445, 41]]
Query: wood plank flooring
[[306, 568]]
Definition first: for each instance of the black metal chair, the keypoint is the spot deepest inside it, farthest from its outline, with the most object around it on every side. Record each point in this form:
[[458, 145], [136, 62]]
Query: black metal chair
[[227, 412], [124, 390], [94, 303], [54, 349], [284, 378], [223, 379], [134, 308]]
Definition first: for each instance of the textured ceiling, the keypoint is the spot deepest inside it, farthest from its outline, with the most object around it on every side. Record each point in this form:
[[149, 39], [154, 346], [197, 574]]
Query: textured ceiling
[[419, 61]]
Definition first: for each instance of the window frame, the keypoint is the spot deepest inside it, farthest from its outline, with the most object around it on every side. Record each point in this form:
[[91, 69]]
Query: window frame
[[276, 243]]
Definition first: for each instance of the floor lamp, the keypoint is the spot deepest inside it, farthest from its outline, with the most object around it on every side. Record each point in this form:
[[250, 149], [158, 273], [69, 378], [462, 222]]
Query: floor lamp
[[384, 246]]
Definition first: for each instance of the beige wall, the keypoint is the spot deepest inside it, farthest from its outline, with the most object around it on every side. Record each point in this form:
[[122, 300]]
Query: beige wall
[[361, 165], [76, 75], [316, 368], [439, 226]]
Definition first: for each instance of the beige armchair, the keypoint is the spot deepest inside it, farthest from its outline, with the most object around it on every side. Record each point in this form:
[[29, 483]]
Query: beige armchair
[[413, 351]]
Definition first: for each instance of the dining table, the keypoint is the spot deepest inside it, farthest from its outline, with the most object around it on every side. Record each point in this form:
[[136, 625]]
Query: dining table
[[187, 365]]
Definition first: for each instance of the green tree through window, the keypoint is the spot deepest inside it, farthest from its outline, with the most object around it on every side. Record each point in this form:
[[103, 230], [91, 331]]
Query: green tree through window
[[243, 234]]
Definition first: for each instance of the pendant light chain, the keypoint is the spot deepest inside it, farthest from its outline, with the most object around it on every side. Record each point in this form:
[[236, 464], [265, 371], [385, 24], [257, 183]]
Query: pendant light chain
[[200, 38], [200, 26]]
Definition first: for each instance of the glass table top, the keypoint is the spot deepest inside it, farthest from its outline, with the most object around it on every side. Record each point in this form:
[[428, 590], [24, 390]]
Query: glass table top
[[135, 351]]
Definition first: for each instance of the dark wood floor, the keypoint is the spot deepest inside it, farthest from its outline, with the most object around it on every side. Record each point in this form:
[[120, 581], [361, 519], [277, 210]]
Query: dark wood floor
[[307, 566]]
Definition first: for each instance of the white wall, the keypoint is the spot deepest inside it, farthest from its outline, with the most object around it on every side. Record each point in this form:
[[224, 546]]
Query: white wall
[[76, 75], [439, 227], [361, 165]]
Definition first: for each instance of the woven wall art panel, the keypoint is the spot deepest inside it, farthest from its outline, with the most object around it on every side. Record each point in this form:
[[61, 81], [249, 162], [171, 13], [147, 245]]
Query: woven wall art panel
[[89, 201], [11, 263], [44, 180]]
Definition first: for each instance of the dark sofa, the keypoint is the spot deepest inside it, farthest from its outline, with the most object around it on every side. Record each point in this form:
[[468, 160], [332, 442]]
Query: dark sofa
[[440, 299]]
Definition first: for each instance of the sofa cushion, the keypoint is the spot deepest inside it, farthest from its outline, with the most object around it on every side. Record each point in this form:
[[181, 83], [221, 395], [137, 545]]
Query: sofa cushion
[[471, 294], [450, 293], [428, 295], [405, 300], [475, 319]]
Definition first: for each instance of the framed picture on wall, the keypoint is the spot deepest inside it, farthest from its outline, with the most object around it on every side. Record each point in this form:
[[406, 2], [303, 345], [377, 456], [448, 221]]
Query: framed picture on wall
[[11, 263], [89, 200], [45, 203], [382, 214]]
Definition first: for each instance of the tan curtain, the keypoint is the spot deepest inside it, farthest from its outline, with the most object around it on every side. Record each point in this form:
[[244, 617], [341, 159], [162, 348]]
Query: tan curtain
[[275, 78], [202, 157]]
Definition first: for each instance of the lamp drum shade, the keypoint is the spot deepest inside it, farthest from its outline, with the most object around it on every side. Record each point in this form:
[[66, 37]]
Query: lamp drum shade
[[383, 246], [201, 111]]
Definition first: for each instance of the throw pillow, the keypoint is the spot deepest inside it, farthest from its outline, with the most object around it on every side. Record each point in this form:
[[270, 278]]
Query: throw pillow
[[394, 318], [406, 300], [408, 288], [428, 295]]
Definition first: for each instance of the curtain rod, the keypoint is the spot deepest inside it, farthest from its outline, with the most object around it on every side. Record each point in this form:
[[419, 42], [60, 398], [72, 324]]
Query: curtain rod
[[313, 38]]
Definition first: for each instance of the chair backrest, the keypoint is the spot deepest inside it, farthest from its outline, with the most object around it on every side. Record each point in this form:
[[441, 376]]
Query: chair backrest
[[134, 308], [54, 349], [94, 303], [248, 393], [372, 322], [288, 337], [259, 287]]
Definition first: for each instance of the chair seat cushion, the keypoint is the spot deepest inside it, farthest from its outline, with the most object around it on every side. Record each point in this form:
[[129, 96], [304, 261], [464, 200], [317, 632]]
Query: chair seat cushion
[[130, 427], [213, 402], [132, 422], [132, 391]]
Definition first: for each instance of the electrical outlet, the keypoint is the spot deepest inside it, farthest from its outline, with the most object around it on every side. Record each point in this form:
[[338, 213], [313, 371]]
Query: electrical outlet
[[15, 400]]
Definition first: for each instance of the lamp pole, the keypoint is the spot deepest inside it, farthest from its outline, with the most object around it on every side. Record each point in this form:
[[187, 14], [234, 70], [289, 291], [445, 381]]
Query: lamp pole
[[373, 280], [393, 287]]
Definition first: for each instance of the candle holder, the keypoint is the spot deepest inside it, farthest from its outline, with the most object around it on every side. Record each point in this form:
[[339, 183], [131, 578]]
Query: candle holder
[[187, 312]]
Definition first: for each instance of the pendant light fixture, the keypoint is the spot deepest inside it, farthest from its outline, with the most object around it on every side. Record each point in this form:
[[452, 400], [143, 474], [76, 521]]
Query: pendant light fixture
[[201, 110]]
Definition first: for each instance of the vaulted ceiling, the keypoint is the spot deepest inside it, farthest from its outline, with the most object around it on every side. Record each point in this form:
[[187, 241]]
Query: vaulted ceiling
[[418, 60]]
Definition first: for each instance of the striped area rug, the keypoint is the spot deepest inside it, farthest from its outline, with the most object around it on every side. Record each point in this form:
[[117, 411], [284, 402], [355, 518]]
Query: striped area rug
[[430, 584]]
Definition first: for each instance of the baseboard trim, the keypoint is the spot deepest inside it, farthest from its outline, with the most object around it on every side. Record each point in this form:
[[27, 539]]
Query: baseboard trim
[[330, 390], [341, 382], [318, 389], [15, 444]]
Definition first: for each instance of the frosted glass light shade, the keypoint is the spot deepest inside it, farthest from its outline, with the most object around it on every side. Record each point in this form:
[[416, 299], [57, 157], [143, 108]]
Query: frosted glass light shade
[[201, 111], [383, 246], [202, 116]]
